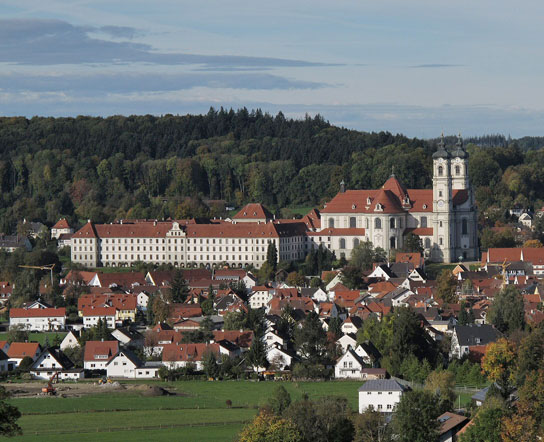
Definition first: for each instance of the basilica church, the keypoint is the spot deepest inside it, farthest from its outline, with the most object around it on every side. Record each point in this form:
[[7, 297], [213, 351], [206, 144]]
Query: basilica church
[[444, 217]]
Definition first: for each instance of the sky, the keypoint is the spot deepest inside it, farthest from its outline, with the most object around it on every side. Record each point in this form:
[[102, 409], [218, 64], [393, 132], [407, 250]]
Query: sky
[[417, 67]]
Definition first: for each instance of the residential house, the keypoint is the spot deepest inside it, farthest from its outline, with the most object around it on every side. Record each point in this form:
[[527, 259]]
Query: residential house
[[70, 340], [20, 350], [466, 336], [380, 394], [10, 243], [348, 340], [128, 337], [450, 424], [97, 354], [349, 366], [126, 364], [181, 355], [91, 316], [260, 296], [38, 319], [61, 228], [279, 357], [5, 364], [53, 360]]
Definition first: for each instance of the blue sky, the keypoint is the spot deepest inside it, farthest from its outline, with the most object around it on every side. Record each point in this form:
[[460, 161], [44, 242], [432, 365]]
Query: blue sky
[[415, 67]]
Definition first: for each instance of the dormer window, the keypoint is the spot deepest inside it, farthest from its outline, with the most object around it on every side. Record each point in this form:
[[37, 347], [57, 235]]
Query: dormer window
[[369, 200], [379, 207], [354, 206], [424, 206]]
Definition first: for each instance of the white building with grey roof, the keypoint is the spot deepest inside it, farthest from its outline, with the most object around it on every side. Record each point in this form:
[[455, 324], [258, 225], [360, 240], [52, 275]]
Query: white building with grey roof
[[380, 394]]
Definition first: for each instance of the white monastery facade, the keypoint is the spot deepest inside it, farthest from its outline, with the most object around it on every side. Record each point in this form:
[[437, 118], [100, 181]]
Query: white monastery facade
[[444, 217]]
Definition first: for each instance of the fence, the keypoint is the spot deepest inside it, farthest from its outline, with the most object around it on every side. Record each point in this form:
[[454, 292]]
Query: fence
[[137, 427]]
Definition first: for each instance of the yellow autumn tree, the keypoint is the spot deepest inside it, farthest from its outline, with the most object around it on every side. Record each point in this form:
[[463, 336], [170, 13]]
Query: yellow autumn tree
[[533, 243], [499, 364], [267, 427]]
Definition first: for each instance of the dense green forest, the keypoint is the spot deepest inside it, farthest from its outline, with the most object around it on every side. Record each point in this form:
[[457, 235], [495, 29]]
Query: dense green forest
[[172, 166]]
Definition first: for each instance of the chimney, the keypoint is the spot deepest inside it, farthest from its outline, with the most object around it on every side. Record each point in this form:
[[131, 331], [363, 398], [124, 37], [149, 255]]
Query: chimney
[[342, 186]]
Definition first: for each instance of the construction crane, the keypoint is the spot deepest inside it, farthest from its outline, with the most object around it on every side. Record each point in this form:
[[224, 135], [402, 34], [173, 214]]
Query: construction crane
[[50, 390], [49, 267]]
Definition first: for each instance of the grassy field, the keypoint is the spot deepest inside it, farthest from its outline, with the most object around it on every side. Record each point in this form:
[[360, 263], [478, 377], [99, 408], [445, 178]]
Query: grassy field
[[39, 337], [198, 411]]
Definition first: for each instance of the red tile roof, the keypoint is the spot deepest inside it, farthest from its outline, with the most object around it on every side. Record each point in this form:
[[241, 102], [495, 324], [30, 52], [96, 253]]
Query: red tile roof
[[121, 279], [94, 349], [420, 231], [61, 224], [120, 301], [37, 312], [22, 349], [187, 352], [253, 211]]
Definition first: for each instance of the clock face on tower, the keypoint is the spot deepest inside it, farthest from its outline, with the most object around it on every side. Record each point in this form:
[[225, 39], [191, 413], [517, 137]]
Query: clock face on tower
[[440, 203]]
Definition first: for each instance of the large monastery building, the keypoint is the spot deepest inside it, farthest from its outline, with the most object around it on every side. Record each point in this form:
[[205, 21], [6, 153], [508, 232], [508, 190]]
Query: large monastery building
[[444, 217]]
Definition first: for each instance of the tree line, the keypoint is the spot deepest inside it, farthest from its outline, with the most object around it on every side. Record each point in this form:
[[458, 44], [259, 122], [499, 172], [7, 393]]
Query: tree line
[[189, 166]]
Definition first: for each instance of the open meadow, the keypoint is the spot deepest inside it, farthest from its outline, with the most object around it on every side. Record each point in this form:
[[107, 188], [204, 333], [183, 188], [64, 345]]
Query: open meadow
[[196, 411]]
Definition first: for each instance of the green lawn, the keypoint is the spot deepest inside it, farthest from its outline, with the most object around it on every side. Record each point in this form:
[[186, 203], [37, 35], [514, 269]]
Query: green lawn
[[201, 434], [118, 415], [190, 394], [39, 337]]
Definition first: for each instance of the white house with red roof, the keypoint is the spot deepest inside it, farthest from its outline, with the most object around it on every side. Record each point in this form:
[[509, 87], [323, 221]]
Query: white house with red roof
[[19, 350], [61, 228], [444, 217], [180, 355], [91, 316], [98, 354], [38, 319]]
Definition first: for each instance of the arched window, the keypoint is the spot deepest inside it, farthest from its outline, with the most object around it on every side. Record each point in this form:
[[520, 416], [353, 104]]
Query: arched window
[[457, 170], [378, 223], [342, 243], [440, 171], [391, 223], [352, 221], [464, 226], [331, 223], [427, 243], [366, 223], [423, 222], [392, 242], [355, 242]]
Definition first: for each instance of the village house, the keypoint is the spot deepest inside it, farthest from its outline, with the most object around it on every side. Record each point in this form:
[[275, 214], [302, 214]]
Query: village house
[[181, 355], [61, 228], [20, 350], [91, 316], [38, 319], [70, 340], [380, 394], [53, 360], [97, 354], [465, 337], [126, 364]]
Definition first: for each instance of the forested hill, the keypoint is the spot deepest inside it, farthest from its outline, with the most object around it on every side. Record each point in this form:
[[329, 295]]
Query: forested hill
[[156, 167]]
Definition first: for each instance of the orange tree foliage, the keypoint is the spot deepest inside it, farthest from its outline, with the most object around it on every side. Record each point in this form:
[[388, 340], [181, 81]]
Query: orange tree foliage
[[534, 243], [527, 423]]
